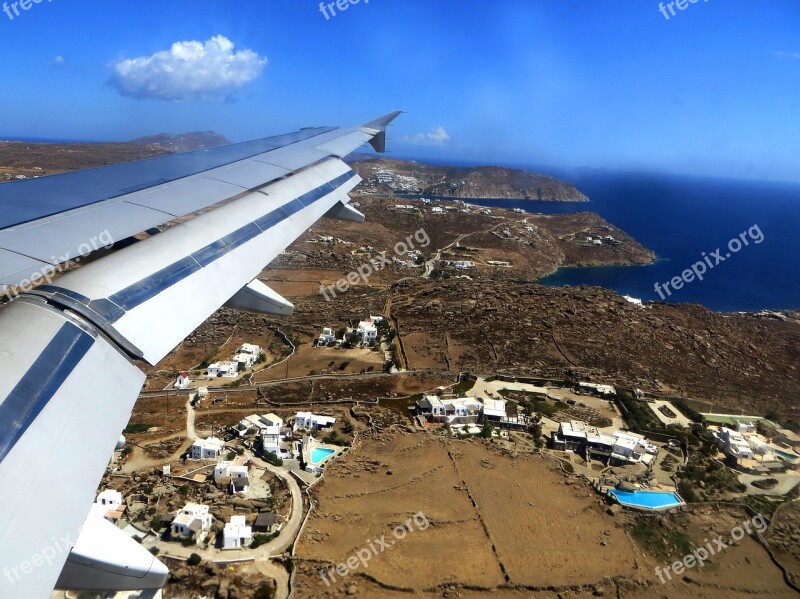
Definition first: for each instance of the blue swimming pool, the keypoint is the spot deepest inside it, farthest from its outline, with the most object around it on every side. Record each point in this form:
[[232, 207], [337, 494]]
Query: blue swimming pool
[[319, 454], [652, 500], [788, 456]]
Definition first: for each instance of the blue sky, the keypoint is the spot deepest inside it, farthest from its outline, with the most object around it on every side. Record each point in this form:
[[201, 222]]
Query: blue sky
[[712, 90]]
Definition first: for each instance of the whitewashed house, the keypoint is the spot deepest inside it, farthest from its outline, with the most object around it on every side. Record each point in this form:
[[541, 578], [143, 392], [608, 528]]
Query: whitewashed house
[[327, 337], [367, 332], [109, 505], [193, 519], [110, 498], [247, 355], [207, 449], [312, 422], [462, 410], [236, 534], [182, 382], [271, 439], [239, 476], [596, 389], [258, 424], [229, 370]]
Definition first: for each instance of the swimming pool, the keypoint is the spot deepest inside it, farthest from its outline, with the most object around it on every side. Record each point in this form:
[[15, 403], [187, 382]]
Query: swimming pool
[[652, 500], [785, 455], [320, 454]]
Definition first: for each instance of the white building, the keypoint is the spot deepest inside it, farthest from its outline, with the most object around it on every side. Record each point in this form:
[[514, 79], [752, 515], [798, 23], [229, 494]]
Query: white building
[[193, 519], [368, 333], [236, 533], [327, 337], [229, 370], [207, 449], [453, 410], [229, 469], [312, 422], [257, 423], [271, 439], [633, 300], [110, 498], [605, 390], [621, 448], [494, 409], [745, 427], [239, 476], [734, 444], [247, 355], [182, 381]]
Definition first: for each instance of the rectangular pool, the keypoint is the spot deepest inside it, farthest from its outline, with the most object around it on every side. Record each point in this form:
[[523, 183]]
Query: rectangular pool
[[320, 454], [652, 500], [785, 455]]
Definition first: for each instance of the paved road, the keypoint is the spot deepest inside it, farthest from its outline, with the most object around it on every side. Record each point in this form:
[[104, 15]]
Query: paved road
[[190, 417], [262, 554]]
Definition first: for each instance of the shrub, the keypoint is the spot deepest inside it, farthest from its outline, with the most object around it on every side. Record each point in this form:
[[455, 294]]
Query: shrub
[[273, 459], [194, 560]]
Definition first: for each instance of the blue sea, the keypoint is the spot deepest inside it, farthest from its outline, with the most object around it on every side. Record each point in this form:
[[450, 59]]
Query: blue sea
[[679, 218]]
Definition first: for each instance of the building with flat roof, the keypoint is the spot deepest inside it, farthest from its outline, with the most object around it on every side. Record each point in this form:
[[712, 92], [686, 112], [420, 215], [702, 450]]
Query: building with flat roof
[[620, 448], [207, 449], [193, 520], [461, 410], [236, 533], [312, 422]]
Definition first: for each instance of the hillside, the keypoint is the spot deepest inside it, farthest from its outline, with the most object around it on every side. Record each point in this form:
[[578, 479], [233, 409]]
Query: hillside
[[385, 176]]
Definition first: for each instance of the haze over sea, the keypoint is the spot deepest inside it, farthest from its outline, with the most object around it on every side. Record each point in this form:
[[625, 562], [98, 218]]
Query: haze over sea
[[680, 217]]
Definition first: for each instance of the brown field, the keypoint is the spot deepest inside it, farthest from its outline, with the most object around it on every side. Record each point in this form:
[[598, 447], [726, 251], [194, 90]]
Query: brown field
[[506, 524], [323, 360]]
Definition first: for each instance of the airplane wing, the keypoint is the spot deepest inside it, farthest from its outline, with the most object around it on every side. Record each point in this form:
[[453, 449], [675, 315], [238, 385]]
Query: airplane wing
[[69, 347]]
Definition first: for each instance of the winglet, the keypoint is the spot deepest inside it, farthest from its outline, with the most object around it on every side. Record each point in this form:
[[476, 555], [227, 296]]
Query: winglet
[[379, 125]]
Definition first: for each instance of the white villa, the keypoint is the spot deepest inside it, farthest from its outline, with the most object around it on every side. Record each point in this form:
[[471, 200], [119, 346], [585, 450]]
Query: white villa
[[110, 505], [228, 370], [621, 448], [327, 337], [312, 422], [239, 475], [236, 533], [460, 410], [193, 519], [110, 498], [271, 439], [368, 333], [258, 424], [494, 409], [207, 449], [734, 444], [247, 355], [594, 388]]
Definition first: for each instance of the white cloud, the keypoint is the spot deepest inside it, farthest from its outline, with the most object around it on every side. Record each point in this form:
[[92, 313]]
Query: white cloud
[[58, 61], [189, 71], [436, 137], [789, 55]]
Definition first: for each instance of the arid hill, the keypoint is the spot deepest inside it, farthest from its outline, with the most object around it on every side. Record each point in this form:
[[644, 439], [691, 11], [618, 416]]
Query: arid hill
[[384, 176]]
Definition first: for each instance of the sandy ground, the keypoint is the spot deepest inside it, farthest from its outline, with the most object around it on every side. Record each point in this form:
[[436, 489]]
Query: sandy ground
[[505, 524], [495, 520], [679, 418]]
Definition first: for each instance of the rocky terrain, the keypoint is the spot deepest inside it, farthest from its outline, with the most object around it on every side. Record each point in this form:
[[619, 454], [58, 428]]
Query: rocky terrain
[[384, 176], [735, 361]]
